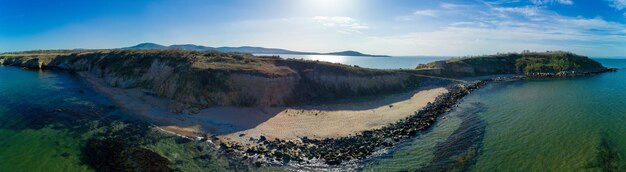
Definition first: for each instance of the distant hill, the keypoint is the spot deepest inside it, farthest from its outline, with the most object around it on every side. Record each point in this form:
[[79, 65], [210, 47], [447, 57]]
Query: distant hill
[[350, 53], [244, 49], [145, 46]]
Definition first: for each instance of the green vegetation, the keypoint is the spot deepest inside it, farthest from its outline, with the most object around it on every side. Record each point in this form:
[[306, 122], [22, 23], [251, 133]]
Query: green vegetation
[[513, 63]]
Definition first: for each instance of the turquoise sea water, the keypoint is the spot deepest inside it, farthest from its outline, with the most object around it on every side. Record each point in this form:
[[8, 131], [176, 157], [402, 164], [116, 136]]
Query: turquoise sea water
[[34, 132], [571, 124], [47, 118]]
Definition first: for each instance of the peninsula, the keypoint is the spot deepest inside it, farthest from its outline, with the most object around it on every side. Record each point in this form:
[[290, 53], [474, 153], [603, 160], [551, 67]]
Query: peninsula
[[264, 109], [531, 64]]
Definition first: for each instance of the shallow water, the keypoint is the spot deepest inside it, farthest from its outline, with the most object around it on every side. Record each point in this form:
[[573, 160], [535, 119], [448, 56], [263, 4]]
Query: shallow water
[[33, 134], [48, 118], [573, 124]]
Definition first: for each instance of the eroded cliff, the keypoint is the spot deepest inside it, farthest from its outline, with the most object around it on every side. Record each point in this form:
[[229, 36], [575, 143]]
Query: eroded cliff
[[203, 79]]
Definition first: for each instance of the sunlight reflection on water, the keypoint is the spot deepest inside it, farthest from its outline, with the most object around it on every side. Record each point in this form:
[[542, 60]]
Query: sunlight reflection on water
[[328, 58]]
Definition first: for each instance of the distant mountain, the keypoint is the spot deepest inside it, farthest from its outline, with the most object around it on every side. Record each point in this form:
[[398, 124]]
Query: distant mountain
[[147, 46], [189, 47], [244, 49]]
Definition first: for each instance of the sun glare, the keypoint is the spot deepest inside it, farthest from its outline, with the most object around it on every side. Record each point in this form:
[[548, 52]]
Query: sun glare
[[328, 6]]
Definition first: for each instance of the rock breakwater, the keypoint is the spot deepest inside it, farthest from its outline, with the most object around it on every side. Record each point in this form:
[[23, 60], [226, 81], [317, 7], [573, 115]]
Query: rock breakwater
[[336, 151]]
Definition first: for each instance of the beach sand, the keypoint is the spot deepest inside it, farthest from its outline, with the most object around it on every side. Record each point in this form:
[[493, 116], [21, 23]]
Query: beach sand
[[287, 123], [336, 120]]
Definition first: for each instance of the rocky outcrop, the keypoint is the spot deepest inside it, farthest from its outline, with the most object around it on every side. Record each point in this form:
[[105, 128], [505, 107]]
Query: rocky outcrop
[[202, 79]]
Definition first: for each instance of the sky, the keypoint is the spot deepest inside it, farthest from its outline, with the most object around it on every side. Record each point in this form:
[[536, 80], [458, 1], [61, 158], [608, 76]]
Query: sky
[[594, 28]]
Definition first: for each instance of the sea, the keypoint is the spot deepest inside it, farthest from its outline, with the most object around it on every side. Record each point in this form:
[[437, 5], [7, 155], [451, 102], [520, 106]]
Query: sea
[[396, 62], [49, 118]]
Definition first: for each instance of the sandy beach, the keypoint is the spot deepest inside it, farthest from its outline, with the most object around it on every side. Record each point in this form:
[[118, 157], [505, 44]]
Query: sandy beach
[[336, 120], [286, 123]]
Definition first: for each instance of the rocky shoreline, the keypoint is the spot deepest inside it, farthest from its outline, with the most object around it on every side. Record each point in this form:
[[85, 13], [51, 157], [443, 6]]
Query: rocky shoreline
[[567, 74], [552, 75], [345, 150]]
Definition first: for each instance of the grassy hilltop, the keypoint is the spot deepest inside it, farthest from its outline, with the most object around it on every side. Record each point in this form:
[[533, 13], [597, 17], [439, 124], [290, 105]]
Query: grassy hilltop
[[529, 63]]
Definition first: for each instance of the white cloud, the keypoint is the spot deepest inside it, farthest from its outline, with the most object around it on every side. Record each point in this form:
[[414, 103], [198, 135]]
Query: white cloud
[[479, 29], [431, 13], [499, 29], [467, 24], [618, 4], [418, 13], [544, 2], [343, 24], [527, 11], [403, 18], [451, 6]]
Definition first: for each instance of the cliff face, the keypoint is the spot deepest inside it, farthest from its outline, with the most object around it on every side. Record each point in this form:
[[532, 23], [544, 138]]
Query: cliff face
[[551, 63], [202, 79]]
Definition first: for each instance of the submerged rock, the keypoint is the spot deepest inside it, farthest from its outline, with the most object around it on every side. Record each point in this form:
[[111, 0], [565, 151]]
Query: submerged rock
[[459, 151], [608, 157], [114, 155]]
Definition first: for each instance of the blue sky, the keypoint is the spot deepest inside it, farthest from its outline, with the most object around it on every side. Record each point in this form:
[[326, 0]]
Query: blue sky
[[399, 27]]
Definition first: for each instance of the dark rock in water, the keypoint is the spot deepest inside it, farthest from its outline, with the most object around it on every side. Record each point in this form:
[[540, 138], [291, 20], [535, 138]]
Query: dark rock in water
[[459, 151], [333, 162], [201, 148], [203, 157], [103, 155], [262, 138], [114, 155], [81, 91], [286, 158], [388, 142], [181, 140], [608, 157], [141, 159]]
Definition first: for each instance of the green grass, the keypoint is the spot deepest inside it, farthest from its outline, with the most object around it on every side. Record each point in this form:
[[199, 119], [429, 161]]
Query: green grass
[[515, 63]]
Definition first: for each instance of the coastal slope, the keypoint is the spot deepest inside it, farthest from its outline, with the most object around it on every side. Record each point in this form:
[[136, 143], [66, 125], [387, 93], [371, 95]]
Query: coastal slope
[[197, 80], [556, 63]]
